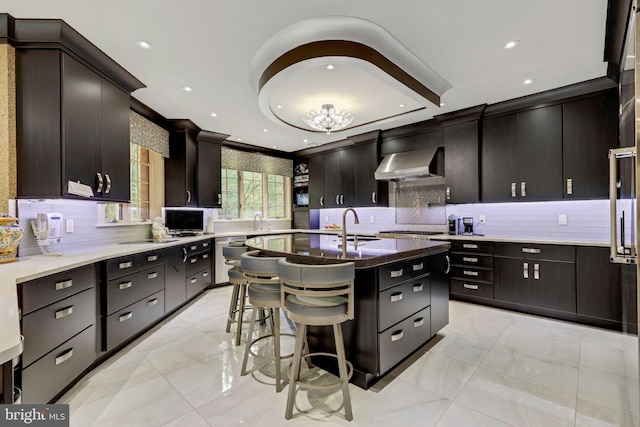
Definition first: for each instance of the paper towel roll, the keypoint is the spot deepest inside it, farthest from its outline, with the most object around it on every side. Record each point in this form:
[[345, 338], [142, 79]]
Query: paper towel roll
[[209, 229]]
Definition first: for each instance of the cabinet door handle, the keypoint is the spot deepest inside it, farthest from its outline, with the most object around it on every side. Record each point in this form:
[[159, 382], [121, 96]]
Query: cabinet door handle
[[194, 280], [205, 256], [447, 261], [397, 335], [448, 193], [337, 199], [188, 196], [125, 285], [418, 267], [193, 260], [124, 265], [525, 270], [523, 189], [152, 275], [531, 250], [107, 178], [469, 259], [125, 316], [569, 186], [470, 246], [321, 200], [373, 198], [152, 258], [64, 284], [513, 190], [220, 199], [100, 182], [194, 247], [64, 356], [470, 273], [473, 287], [184, 254], [418, 322], [342, 199], [418, 287], [396, 273], [396, 296], [64, 312], [536, 271], [152, 302]]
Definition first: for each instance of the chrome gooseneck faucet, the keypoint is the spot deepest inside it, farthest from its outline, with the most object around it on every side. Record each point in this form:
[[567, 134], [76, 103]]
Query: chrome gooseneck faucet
[[344, 228], [255, 222]]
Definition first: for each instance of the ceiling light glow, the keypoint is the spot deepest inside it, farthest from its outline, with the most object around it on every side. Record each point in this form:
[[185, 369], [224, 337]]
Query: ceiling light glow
[[511, 44], [278, 106], [187, 88], [330, 67], [401, 105], [265, 130], [144, 44], [214, 115], [328, 119], [442, 104], [528, 81]]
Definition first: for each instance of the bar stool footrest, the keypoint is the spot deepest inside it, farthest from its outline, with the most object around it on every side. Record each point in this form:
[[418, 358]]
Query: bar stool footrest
[[270, 357], [308, 385]]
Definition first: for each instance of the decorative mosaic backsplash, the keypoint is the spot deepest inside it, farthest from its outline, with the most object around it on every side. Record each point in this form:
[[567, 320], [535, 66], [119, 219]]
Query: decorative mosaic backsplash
[[420, 202], [256, 162], [148, 134]]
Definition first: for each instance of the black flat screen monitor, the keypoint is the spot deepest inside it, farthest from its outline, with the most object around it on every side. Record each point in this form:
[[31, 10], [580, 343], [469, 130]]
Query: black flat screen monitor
[[184, 220]]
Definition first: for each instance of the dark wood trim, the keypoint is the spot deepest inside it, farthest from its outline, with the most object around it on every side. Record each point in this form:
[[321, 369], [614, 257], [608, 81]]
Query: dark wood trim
[[551, 97], [57, 34], [255, 149], [208, 136], [365, 137], [184, 125], [331, 146], [350, 49], [149, 113], [461, 116], [430, 125], [617, 27]]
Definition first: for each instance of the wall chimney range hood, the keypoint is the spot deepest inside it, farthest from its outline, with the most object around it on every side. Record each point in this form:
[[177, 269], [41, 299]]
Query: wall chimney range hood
[[416, 164]]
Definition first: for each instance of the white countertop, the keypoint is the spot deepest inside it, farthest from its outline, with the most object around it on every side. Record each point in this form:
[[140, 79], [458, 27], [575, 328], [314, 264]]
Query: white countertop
[[36, 266]]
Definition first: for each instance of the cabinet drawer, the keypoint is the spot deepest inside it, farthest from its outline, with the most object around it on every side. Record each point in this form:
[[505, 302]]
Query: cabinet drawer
[[391, 274], [52, 325], [475, 289], [535, 251], [118, 267], [129, 289], [197, 282], [472, 260], [398, 302], [48, 376], [471, 273], [198, 262], [471, 246], [399, 341], [126, 322], [40, 292], [203, 245]]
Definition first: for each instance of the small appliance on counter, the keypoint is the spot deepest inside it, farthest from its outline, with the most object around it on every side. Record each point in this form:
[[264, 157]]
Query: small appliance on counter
[[455, 226], [467, 222]]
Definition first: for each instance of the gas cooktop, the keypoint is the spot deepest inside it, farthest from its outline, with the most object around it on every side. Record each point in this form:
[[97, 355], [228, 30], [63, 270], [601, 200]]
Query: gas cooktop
[[408, 234]]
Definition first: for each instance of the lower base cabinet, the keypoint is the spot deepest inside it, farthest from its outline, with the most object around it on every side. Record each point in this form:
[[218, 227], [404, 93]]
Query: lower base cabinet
[[124, 323]]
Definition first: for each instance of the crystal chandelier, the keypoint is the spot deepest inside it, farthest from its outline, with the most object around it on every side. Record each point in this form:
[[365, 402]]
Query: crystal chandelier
[[328, 119]]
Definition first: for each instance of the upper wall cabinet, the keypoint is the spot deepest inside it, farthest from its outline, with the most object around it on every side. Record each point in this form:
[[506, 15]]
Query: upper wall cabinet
[[180, 168], [73, 126], [209, 165]]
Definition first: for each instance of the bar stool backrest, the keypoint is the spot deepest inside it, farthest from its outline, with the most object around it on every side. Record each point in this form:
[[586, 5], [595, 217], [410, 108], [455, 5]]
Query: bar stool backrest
[[232, 254], [328, 280], [260, 269]]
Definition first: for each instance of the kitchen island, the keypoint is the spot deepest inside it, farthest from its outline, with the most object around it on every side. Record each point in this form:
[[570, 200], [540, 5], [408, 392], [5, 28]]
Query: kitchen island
[[401, 296]]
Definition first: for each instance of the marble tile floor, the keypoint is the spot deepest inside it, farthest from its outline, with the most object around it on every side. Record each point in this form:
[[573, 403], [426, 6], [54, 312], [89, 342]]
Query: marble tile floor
[[487, 368]]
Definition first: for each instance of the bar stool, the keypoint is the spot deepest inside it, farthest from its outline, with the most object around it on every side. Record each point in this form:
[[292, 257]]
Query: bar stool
[[238, 294], [318, 295], [261, 273]]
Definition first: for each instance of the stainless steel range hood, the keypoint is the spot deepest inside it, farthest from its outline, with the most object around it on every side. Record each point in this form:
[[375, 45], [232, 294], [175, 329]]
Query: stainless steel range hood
[[425, 163]]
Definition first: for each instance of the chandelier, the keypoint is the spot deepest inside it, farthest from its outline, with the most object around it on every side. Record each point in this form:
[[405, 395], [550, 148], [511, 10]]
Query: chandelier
[[328, 119]]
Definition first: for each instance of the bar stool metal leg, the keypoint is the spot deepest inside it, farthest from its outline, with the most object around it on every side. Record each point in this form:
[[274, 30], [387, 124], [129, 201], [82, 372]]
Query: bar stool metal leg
[[241, 296], [254, 312], [294, 373], [232, 306], [342, 368]]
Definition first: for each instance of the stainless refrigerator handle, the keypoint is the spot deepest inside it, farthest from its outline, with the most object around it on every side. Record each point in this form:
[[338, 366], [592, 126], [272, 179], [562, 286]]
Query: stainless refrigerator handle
[[615, 254]]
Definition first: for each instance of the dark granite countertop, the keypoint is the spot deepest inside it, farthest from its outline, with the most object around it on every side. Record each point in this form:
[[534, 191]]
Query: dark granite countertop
[[324, 248]]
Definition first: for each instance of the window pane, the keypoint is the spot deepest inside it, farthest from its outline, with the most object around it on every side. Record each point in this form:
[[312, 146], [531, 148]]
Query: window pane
[[230, 196], [252, 190], [275, 196]]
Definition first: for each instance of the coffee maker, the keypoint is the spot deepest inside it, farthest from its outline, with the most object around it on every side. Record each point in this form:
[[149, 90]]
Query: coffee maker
[[467, 222], [455, 225]]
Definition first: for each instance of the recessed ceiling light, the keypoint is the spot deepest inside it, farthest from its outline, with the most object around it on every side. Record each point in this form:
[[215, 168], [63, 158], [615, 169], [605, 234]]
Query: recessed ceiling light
[[275, 146], [265, 130], [442, 104], [238, 139], [187, 88], [511, 44], [330, 67], [401, 105], [144, 44], [214, 115], [306, 140], [278, 106], [528, 81]]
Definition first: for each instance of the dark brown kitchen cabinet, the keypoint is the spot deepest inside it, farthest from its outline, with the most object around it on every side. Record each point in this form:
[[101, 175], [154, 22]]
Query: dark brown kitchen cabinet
[[316, 181], [369, 191], [590, 129], [72, 126], [180, 169], [332, 179], [174, 277], [349, 164], [499, 160], [209, 166]]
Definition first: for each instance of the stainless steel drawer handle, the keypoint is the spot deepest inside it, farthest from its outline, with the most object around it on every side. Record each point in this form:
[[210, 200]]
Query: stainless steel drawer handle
[[151, 258], [194, 280], [397, 335], [64, 285], [152, 275], [418, 322], [194, 247], [396, 273], [418, 287], [473, 287], [470, 246], [125, 316], [205, 274], [64, 356], [205, 245], [418, 267], [531, 250], [125, 285], [205, 256], [470, 273], [396, 296], [469, 259], [193, 260], [536, 271], [152, 302], [124, 265], [525, 270], [64, 312]]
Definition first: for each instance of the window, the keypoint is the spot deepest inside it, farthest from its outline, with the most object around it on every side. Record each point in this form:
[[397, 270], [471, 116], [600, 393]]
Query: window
[[245, 194]]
